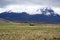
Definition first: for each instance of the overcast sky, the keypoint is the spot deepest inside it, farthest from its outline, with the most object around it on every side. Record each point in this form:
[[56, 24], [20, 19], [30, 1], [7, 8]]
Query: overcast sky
[[29, 5], [55, 3]]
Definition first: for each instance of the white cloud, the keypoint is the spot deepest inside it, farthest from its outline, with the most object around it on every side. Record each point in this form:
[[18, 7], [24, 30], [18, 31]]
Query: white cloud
[[2, 10], [56, 9], [30, 9]]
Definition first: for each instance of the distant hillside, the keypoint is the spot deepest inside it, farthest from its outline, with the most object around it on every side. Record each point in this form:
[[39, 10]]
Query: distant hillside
[[4, 21]]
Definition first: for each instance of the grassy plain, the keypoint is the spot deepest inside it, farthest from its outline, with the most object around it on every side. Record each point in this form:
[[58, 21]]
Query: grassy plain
[[26, 31]]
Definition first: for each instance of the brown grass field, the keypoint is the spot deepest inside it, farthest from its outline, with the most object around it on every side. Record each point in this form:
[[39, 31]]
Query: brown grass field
[[29, 31]]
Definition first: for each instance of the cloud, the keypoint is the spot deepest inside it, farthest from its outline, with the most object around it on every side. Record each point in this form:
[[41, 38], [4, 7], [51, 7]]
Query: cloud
[[30, 9], [9, 4], [30, 2]]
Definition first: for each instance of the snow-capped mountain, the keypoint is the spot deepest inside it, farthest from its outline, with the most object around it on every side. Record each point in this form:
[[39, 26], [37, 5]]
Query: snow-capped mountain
[[45, 11], [47, 15], [48, 11]]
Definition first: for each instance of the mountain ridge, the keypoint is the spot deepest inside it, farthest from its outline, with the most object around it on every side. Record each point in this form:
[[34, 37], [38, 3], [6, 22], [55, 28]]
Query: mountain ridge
[[25, 17]]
